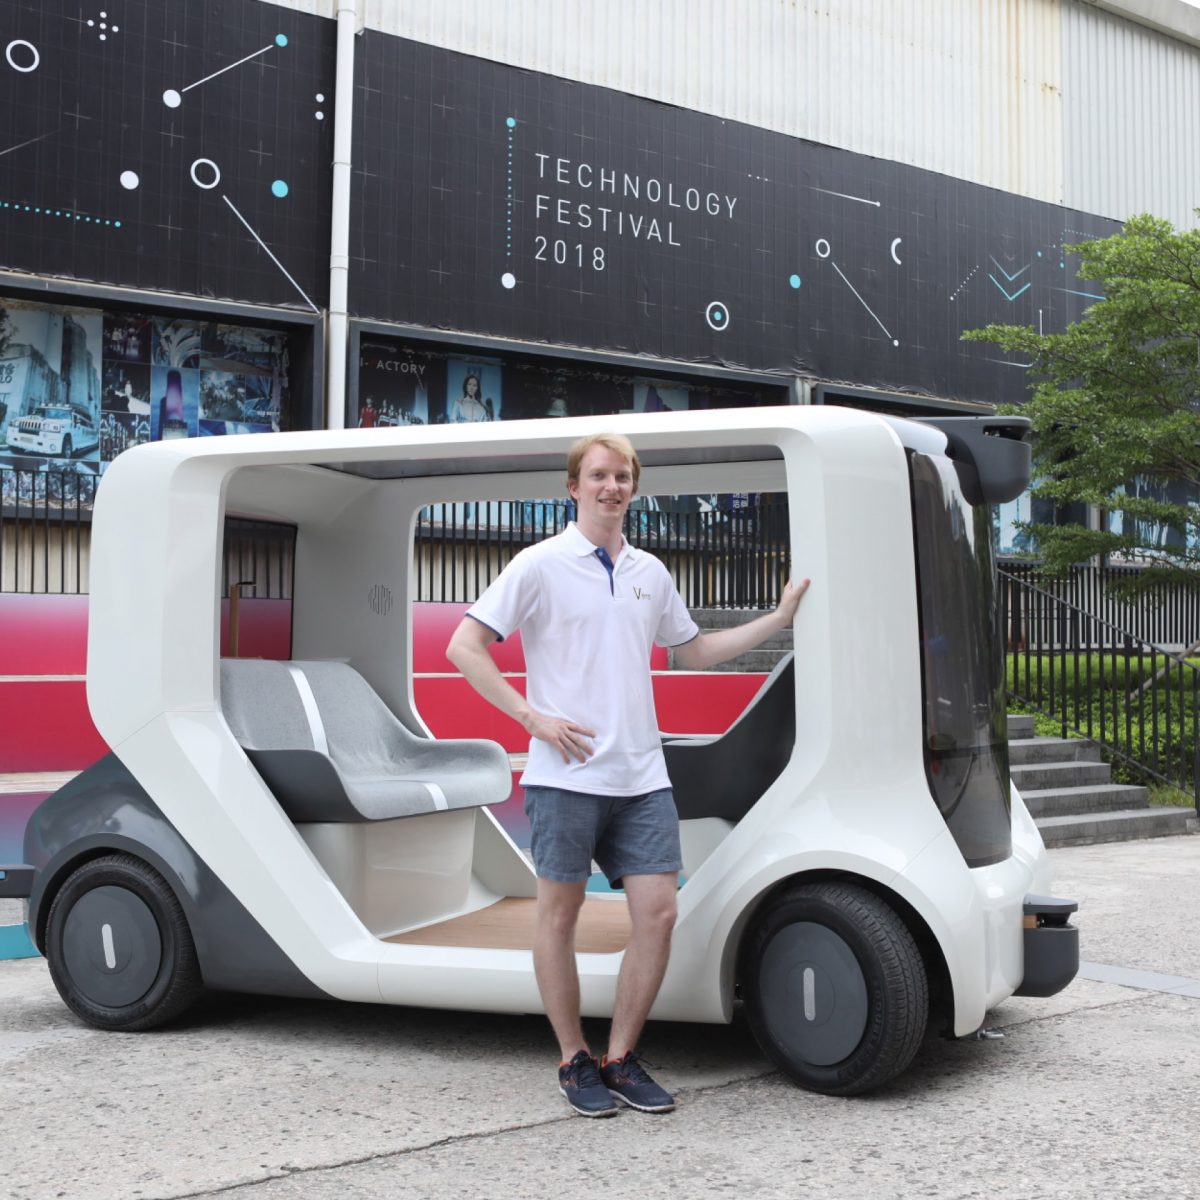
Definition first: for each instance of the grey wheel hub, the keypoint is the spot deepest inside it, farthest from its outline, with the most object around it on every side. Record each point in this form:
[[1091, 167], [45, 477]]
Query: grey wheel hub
[[813, 993], [111, 946]]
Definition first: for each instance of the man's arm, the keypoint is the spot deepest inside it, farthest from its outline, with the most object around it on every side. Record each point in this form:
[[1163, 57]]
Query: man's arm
[[468, 651], [708, 649]]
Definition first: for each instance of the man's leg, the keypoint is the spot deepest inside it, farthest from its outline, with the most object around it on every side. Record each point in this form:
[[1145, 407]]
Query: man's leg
[[558, 906], [652, 913]]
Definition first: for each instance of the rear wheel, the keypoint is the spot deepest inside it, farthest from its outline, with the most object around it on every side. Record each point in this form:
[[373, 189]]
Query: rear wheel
[[68, 447], [835, 988], [119, 947]]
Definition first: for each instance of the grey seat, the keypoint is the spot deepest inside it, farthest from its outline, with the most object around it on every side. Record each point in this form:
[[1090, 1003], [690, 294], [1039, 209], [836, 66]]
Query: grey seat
[[330, 749]]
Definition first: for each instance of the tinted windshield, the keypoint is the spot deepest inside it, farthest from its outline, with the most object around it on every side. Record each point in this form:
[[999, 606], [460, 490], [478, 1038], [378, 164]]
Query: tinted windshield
[[966, 740], [56, 414]]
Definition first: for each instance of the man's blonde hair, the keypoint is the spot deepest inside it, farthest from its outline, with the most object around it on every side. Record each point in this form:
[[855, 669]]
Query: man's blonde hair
[[616, 442]]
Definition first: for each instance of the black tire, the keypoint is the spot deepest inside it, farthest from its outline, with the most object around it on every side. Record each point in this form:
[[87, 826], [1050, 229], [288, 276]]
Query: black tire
[[68, 447], [119, 947], [835, 989]]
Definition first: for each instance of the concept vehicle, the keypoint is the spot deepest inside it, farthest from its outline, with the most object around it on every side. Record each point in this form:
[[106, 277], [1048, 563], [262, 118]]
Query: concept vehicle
[[858, 867]]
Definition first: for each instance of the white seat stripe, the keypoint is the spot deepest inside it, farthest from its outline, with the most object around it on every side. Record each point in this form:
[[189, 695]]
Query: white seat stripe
[[312, 714], [438, 797]]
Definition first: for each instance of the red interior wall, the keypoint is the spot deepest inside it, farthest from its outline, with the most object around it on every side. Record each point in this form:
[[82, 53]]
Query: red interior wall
[[44, 721], [45, 724]]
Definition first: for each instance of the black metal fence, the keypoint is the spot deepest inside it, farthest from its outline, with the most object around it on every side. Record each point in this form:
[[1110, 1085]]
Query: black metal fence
[[1136, 699], [45, 526], [732, 556], [259, 555], [1169, 616], [45, 539]]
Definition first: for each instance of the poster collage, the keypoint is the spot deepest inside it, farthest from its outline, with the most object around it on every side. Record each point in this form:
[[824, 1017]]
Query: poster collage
[[80, 385], [402, 383]]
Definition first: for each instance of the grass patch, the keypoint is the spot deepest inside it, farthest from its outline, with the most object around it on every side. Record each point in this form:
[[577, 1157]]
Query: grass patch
[[1163, 795]]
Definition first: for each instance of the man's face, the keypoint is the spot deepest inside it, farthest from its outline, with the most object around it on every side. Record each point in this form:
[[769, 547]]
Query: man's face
[[605, 486]]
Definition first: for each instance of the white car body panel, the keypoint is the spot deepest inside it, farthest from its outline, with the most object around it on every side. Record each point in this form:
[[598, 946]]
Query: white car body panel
[[854, 797]]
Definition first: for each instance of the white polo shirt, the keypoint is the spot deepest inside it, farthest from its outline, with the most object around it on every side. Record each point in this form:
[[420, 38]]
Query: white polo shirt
[[587, 642]]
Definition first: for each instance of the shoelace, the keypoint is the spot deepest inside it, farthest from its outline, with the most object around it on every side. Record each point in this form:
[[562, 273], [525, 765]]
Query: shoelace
[[585, 1073], [631, 1067]]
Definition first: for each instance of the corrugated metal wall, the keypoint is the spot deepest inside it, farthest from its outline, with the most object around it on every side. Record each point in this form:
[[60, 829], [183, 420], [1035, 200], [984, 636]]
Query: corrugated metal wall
[[1132, 107], [1052, 99]]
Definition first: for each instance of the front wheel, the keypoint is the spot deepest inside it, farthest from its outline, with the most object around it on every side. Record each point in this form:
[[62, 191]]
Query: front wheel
[[835, 988], [119, 947], [68, 448]]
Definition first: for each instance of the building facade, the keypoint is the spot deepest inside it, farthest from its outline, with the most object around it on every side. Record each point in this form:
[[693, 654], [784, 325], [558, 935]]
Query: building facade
[[251, 215]]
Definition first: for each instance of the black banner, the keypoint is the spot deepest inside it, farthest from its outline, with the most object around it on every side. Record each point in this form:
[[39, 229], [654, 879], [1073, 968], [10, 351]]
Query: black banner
[[503, 202], [168, 145]]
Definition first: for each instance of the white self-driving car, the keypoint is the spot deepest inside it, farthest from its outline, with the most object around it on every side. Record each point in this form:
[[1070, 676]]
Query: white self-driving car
[[858, 867]]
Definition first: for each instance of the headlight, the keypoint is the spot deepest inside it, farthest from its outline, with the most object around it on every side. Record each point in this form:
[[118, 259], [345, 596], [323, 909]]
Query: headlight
[[52, 427]]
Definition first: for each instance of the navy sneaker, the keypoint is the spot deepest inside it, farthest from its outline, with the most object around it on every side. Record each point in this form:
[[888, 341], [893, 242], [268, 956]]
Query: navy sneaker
[[580, 1082], [627, 1080]]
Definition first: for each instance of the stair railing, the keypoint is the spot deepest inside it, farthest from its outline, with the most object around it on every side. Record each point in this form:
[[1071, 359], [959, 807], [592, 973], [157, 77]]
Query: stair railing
[[1140, 702]]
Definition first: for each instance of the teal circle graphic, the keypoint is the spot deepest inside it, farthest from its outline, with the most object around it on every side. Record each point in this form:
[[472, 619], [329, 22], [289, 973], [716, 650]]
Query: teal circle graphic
[[511, 122], [279, 188], [794, 280], [280, 40]]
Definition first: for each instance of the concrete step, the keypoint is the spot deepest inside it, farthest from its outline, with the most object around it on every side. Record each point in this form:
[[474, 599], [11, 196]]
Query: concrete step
[[1087, 829], [1036, 776], [760, 661], [1020, 727], [1068, 801], [1051, 749], [725, 618]]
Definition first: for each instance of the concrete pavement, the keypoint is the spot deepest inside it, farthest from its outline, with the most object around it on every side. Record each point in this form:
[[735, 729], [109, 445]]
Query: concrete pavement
[[1095, 1091]]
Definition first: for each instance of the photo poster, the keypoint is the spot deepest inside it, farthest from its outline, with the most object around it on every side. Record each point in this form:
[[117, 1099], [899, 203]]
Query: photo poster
[[473, 391], [78, 386], [50, 389], [395, 383]]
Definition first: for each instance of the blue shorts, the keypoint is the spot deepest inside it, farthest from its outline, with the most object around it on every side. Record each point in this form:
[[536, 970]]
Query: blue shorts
[[626, 835]]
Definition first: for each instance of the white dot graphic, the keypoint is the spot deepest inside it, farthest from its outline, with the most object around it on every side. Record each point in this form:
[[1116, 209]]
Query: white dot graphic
[[320, 116], [320, 98], [171, 98], [129, 180], [508, 279]]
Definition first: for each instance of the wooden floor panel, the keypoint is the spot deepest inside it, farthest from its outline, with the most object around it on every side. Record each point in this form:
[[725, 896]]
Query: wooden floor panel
[[508, 925]]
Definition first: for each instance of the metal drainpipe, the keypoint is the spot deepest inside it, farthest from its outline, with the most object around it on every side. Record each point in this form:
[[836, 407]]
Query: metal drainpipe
[[338, 325]]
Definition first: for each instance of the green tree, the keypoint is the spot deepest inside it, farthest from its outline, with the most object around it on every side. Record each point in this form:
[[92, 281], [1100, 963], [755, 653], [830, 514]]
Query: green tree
[[1116, 402]]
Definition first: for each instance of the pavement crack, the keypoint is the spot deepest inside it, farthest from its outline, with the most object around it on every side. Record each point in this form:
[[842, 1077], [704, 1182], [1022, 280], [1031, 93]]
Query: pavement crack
[[226, 1189], [1123, 1002]]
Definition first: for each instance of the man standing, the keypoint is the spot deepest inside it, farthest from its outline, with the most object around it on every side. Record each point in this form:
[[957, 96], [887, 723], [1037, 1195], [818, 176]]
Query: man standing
[[590, 607]]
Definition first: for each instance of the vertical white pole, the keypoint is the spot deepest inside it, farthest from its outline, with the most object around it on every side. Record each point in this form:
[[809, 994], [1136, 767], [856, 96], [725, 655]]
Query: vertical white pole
[[338, 325]]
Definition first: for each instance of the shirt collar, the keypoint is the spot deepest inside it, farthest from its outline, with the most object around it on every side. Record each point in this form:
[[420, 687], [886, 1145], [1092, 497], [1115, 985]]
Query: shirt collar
[[580, 545]]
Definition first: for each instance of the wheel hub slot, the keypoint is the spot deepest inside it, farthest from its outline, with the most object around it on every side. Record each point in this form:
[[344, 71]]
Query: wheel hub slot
[[111, 946], [814, 989]]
